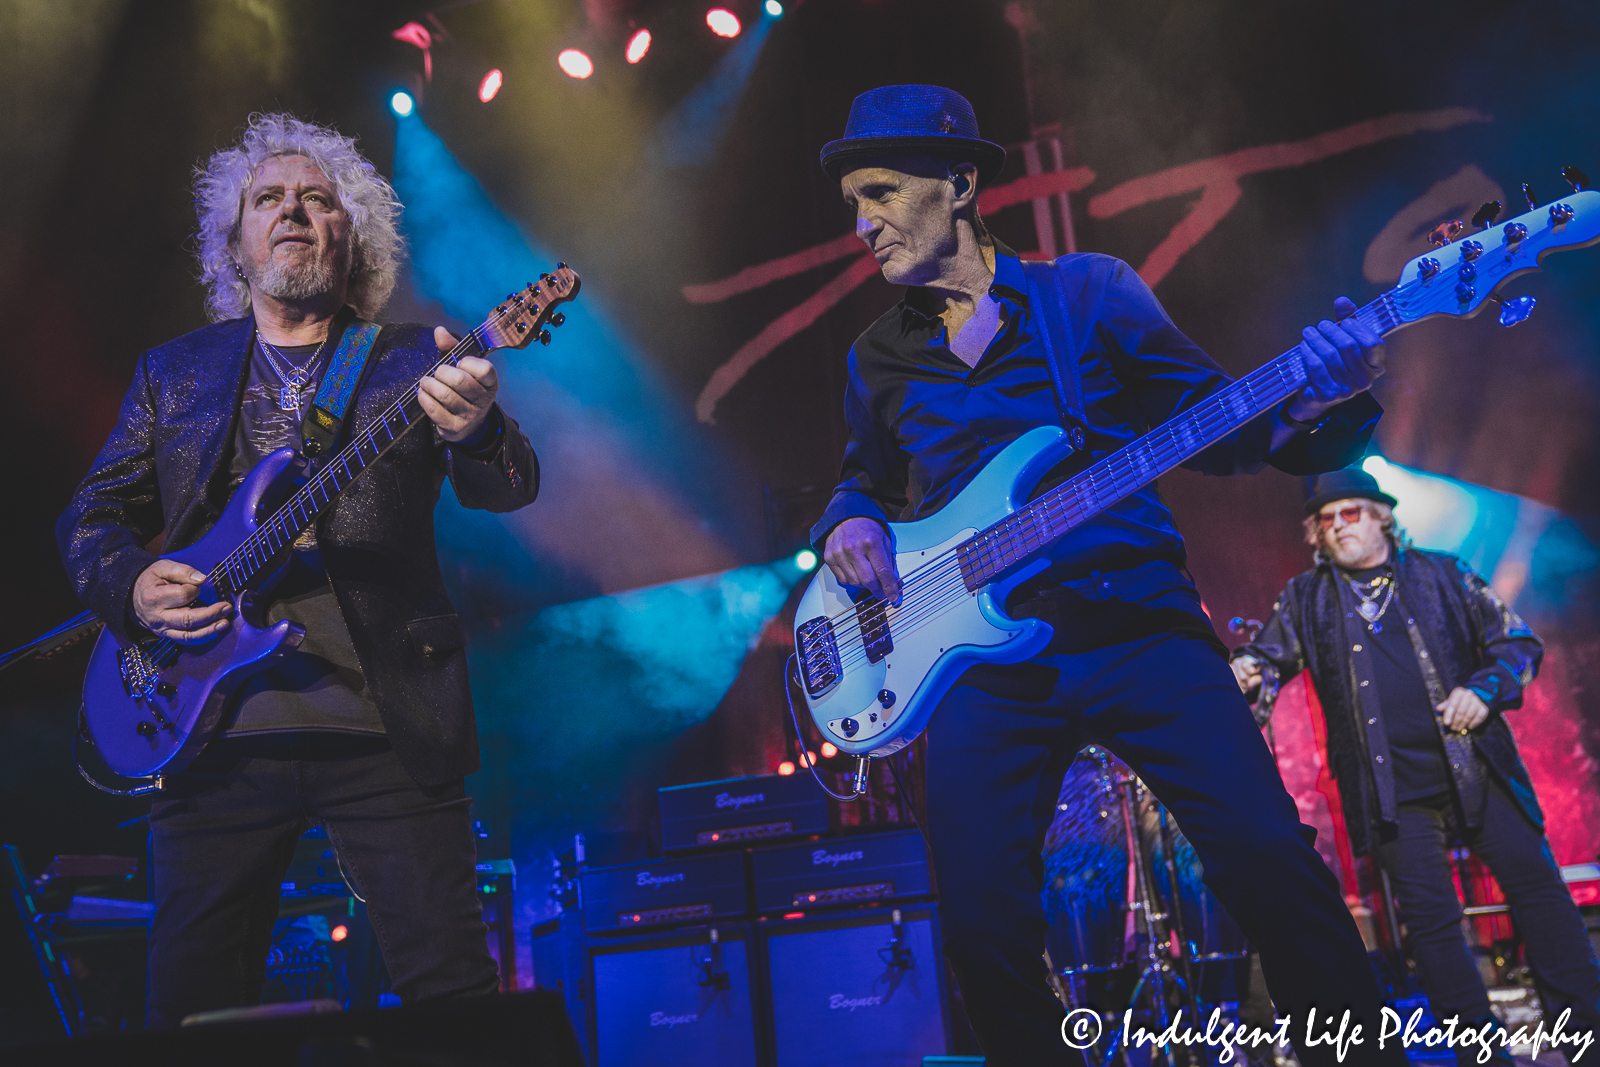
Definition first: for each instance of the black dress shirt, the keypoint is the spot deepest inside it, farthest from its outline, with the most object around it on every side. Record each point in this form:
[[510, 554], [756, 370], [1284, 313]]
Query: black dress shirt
[[923, 423]]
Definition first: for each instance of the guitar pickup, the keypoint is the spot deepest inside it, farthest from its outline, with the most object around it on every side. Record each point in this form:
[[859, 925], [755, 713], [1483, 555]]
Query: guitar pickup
[[819, 656], [872, 615]]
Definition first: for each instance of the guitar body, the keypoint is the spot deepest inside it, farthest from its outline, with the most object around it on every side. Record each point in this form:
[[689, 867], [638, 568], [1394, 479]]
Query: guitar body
[[151, 714], [889, 701]]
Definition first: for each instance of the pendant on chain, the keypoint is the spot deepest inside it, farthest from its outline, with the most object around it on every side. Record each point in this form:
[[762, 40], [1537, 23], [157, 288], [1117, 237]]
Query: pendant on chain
[[1369, 610], [289, 398]]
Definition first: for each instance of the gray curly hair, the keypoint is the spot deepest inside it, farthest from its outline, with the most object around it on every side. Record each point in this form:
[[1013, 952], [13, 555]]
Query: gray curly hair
[[376, 246]]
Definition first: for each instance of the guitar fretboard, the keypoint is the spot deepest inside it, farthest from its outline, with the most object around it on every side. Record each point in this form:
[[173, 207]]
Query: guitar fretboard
[[245, 563], [988, 554]]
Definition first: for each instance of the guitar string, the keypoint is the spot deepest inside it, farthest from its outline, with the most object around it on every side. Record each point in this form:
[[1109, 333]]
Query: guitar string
[[1124, 470], [241, 565]]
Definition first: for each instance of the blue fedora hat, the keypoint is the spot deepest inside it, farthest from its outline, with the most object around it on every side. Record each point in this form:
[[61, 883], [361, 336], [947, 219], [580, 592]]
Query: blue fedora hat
[[920, 119]]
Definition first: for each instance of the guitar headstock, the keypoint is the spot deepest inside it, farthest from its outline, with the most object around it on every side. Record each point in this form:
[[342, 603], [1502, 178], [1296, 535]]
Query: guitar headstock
[[1460, 275], [524, 315]]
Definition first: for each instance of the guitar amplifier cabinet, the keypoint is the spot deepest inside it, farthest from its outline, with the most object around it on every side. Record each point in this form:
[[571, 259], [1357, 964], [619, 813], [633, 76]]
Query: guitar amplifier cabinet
[[840, 871], [738, 811], [676, 1000], [856, 991], [670, 892]]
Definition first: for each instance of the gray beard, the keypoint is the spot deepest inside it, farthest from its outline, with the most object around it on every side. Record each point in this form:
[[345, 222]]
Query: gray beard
[[294, 281]]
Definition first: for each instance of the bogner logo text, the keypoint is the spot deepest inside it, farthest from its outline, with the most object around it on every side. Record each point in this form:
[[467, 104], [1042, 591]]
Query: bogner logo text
[[728, 800], [656, 881], [661, 1018], [839, 1000], [822, 857]]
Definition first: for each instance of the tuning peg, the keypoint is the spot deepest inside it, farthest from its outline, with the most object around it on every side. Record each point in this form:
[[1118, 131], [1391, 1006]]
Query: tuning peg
[[544, 337], [1445, 232], [557, 319], [1575, 178], [1486, 215], [1527, 194], [561, 266], [1515, 310]]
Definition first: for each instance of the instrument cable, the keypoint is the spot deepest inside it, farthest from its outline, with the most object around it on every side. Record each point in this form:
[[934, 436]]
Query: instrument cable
[[791, 675]]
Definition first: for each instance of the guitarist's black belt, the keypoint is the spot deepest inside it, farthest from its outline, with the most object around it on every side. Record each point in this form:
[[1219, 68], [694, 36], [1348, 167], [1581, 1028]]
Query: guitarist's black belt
[[319, 431]]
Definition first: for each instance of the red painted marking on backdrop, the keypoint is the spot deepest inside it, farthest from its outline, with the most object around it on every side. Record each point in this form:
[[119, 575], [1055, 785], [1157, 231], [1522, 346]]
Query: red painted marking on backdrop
[[774, 270], [780, 330], [1218, 177]]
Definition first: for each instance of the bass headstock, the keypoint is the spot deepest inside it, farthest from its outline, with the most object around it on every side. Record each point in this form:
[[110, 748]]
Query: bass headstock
[[523, 316], [1464, 272]]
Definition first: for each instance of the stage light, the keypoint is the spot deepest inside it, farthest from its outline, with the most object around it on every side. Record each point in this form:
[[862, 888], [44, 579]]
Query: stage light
[[339, 933], [811, 758], [638, 45], [575, 64], [805, 559], [490, 85], [786, 768], [723, 23], [402, 104], [828, 750], [774, 9]]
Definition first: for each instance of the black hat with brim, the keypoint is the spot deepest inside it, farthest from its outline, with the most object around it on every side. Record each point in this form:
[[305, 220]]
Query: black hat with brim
[[917, 120], [1351, 483]]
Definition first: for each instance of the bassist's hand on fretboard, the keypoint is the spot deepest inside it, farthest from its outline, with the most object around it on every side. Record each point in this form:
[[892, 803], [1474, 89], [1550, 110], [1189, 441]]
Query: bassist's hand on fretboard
[[1342, 358]]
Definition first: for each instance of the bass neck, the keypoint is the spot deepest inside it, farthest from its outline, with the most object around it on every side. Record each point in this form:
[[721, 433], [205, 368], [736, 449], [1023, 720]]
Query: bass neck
[[1063, 508]]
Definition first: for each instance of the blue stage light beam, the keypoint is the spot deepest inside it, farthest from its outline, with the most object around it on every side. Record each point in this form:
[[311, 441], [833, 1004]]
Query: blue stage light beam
[[692, 132], [628, 478]]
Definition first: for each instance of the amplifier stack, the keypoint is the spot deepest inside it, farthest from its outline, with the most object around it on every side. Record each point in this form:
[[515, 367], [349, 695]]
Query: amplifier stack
[[758, 940]]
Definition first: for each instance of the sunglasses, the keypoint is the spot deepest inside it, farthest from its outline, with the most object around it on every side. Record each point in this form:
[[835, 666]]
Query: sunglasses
[[1351, 515]]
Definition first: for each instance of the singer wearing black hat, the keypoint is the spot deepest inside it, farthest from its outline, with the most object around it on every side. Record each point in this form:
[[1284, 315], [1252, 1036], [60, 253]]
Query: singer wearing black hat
[[1415, 660], [937, 388]]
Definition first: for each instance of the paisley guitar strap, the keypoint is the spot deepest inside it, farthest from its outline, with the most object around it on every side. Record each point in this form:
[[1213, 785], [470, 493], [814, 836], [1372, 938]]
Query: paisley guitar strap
[[1047, 300], [319, 431]]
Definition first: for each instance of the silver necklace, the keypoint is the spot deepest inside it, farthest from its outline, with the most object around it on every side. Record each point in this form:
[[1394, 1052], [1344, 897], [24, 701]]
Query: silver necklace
[[294, 380], [1369, 608]]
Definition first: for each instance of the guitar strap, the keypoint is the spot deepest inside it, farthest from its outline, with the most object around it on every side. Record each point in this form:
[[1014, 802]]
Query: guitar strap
[[1047, 301], [324, 420]]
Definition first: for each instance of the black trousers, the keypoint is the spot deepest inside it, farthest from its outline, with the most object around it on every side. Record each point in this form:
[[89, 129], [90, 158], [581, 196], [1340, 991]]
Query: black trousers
[[1169, 706], [223, 833], [1516, 851]]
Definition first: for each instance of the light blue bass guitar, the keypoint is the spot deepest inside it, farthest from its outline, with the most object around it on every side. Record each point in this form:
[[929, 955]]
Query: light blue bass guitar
[[873, 671]]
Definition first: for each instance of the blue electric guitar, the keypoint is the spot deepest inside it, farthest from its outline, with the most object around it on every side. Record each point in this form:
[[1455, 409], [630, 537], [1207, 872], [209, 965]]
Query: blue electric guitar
[[152, 704], [873, 671]]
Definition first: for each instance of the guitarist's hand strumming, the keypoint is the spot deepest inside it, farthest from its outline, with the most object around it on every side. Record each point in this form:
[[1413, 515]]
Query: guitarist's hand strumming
[[860, 554], [162, 596]]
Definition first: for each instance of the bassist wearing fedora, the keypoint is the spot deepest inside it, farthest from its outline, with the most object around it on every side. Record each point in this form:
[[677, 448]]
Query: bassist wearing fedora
[[366, 728], [1415, 661], [938, 387]]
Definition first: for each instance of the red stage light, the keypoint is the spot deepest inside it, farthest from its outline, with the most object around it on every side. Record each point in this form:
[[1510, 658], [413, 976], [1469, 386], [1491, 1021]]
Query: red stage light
[[339, 933], [575, 64], [638, 45], [828, 750], [786, 768], [490, 85], [723, 23]]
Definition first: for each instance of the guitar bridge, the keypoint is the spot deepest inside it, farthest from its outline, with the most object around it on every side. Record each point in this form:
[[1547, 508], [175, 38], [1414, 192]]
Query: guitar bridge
[[819, 656], [139, 676]]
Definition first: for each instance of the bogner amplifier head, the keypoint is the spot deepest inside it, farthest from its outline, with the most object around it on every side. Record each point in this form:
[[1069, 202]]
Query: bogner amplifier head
[[663, 893], [741, 811], [841, 871]]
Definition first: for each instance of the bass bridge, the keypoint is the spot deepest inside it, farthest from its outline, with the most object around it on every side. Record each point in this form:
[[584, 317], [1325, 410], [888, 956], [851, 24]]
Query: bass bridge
[[143, 683], [819, 656]]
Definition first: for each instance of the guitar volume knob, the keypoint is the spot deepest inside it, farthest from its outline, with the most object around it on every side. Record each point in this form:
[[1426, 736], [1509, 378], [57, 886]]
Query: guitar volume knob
[[145, 729], [886, 697]]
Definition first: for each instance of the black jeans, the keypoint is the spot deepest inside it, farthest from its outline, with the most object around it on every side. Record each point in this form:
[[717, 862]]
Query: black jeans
[[1517, 853], [223, 833], [1169, 706]]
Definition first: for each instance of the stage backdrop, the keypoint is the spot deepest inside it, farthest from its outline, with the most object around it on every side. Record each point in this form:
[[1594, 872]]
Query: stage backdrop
[[1252, 162]]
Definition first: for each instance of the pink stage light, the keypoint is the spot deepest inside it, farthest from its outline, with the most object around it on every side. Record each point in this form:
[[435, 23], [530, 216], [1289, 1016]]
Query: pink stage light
[[339, 933], [490, 85], [638, 45], [786, 768], [723, 23], [575, 64], [828, 750]]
